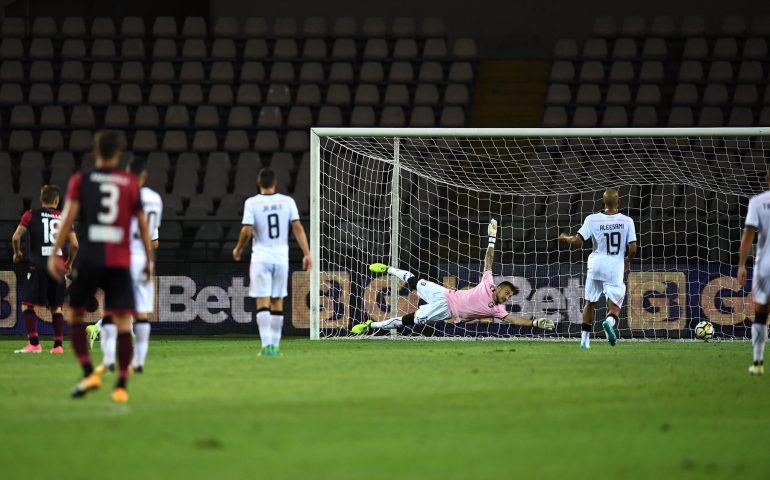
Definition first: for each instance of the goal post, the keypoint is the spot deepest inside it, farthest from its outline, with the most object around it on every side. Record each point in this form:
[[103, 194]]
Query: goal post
[[420, 199]]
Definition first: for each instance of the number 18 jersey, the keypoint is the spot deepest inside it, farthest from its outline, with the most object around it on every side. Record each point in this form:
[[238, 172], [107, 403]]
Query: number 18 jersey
[[43, 227], [270, 216], [609, 235]]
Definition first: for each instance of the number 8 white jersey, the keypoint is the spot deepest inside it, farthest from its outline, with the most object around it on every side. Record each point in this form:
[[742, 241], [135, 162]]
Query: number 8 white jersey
[[270, 216], [609, 234], [153, 210]]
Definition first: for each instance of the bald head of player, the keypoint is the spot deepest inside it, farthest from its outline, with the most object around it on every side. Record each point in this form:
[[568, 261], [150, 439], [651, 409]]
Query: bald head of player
[[49, 196], [267, 181], [108, 146], [503, 292], [138, 167], [611, 199]]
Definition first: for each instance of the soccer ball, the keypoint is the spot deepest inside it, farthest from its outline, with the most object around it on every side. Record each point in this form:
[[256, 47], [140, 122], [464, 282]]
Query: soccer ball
[[704, 330]]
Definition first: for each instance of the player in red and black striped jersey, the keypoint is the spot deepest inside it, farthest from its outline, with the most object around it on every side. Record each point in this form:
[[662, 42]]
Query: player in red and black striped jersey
[[39, 290], [103, 200]]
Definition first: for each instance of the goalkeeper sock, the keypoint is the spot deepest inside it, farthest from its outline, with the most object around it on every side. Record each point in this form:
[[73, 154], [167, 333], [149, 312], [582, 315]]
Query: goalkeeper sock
[[263, 322], [389, 324], [402, 274], [759, 336], [108, 338], [276, 325], [611, 320]]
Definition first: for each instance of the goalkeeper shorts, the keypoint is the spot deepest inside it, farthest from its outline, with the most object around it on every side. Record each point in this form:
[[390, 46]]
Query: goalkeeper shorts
[[615, 292], [436, 308]]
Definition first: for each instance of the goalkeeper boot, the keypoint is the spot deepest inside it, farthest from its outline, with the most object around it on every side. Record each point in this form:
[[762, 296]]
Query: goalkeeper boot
[[378, 268], [361, 328], [757, 369], [611, 336], [93, 335]]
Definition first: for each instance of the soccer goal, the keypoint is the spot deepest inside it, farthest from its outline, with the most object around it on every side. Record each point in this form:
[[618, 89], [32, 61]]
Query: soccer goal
[[421, 199]]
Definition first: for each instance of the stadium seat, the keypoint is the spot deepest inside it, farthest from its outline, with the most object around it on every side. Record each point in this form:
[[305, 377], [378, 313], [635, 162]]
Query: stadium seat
[[345, 49], [633, 26], [715, 94], [733, 25], [311, 72], [50, 141], [164, 49], [725, 48], [685, 94], [189, 161], [588, 94], [44, 27], [221, 72], [132, 27], [755, 48], [158, 161], [397, 95], [375, 49], [297, 141], [392, 116], [592, 71], [221, 95], [270, 117], [164, 27], [277, 94], [371, 72], [194, 27], [624, 49], [584, 117], [314, 27], [282, 72], [63, 161], [430, 72], [595, 49], [132, 49], [285, 27], [41, 48], [40, 94], [299, 117], [308, 95], [362, 116], [464, 49], [422, 116], [102, 27], [231, 206], [651, 72], [690, 71], [403, 27], [223, 49], [81, 141], [147, 116], [344, 27], [711, 117], [255, 49], [11, 94], [100, 94], [12, 72], [68, 94], [695, 49], [12, 27], [185, 183], [555, 117], [374, 27], [11, 48], [255, 27], [103, 49], [102, 72], [236, 141], [655, 48], [314, 49], [400, 72], [117, 117], [565, 49], [404, 49], [433, 27], [338, 95], [621, 71], [745, 95], [618, 94], [176, 117], [82, 116], [24, 116], [191, 94], [329, 116], [740, 117], [73, 48], [455, 94], [240, 117], [285, 49], [32, 161], [648, 95], [205, 141], [692, 25], [341, 72], [367, 95], [145, 141], [681, 117], [434, 49], [192, 72], [206, 116]]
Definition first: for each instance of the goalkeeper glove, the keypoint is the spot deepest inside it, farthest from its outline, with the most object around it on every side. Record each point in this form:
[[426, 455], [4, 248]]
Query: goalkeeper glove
[[492, 231], [543, 323]]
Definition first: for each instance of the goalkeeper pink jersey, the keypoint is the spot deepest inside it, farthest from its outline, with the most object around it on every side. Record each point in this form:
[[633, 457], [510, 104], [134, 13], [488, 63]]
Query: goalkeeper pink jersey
[[476, 303]]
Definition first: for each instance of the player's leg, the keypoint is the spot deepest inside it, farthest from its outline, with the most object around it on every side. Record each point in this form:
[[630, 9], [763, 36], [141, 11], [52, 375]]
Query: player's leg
[[260, 288], [56, 295], [144, 294], [593, 291], [108, 336], [82, 290], [31, 296], [119, 303], [279, 287], [382, 268], [615, 295], [94, 332], [761, 292]]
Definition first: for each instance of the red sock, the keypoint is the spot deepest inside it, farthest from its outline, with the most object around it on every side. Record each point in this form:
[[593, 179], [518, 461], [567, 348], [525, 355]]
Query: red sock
[[80, 346], [58, 329], [30, 323], [125, 354]]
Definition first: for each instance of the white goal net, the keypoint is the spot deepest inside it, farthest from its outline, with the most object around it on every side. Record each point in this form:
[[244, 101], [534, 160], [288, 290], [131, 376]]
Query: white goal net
[[421, 200]]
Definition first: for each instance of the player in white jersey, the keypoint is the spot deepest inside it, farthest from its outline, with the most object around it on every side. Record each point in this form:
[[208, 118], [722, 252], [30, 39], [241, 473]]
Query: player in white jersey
[[267, 218], [757, 220], [144, 288], [613, 236]]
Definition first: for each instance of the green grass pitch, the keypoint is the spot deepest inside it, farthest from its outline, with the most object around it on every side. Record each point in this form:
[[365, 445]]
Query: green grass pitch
[[211, 408]]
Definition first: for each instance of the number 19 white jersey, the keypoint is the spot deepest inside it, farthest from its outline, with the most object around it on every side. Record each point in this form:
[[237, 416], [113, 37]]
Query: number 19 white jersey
[[758, 216], [270, 216], [153, 210], [609, 235]]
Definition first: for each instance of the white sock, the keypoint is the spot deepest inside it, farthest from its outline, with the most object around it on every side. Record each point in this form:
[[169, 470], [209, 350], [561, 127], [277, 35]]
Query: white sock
[[758, 339], [611, 321], [402, 274], [276, 325], [142, 343], [585, 338], [263, 322], [109, 338], [99, 324], [388, 324]]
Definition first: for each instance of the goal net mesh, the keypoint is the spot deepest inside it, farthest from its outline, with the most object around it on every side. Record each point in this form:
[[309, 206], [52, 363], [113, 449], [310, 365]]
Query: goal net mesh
[[686, 196]]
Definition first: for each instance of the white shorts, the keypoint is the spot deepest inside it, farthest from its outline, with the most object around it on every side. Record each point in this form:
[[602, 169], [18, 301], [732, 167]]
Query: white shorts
[[436, 308], [268, 280], [614, 292], [144, 289], [760, 287]]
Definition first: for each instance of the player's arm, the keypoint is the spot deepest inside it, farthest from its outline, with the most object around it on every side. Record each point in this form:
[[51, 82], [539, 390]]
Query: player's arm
[[246, 232], [68, 216], [543, 323], [489, 257], [299, 234], [631, 249], [18, 255], [747, 240], [73, 253], [576, 239]]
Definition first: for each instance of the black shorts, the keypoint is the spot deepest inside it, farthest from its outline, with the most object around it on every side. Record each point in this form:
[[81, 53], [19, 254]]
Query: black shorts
[[117, 285], [40, 290]]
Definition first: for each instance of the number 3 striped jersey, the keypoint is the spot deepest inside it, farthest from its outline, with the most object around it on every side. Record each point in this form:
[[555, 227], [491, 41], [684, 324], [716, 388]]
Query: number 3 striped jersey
[[270, 216], [609, 235], [109, 199]]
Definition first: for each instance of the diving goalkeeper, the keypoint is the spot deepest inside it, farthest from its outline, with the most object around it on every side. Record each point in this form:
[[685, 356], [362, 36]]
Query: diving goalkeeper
[[485, 300]]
